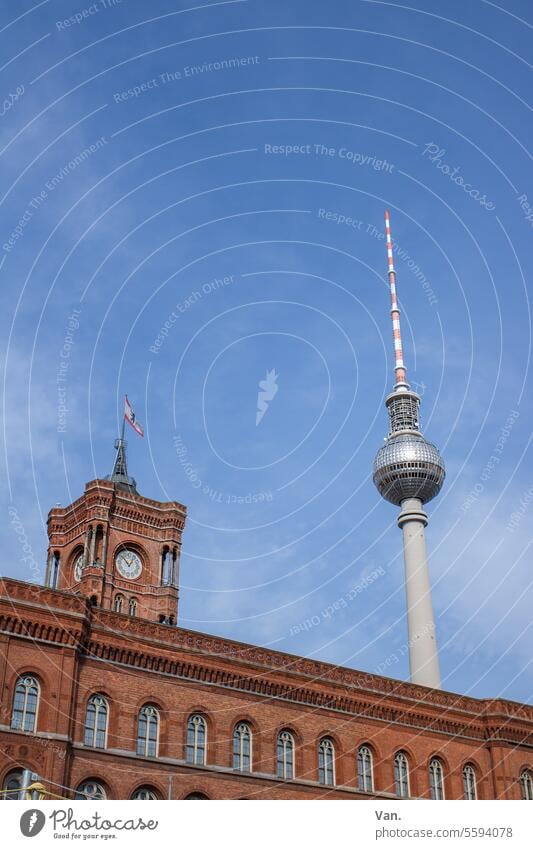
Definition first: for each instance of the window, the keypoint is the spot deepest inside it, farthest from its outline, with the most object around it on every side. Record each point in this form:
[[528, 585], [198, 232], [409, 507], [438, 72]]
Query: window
[[146, 793], [196, 739], [436, 779], [403, 413], [91, 789], [365, 780], [169, 567], [25, 703], [12, 783], [148, 732], [242, 747], [401, 775], [132, 607], [526, 785], [326, 761], [285, 755], [119, 603], [96, 722], [54, 577], [469, 782], [196, 796]]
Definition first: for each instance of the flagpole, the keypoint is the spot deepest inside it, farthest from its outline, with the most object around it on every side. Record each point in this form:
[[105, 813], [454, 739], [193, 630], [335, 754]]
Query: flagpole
[[123, 426]]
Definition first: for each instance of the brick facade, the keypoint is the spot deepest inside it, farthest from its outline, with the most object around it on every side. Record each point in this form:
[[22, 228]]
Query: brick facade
[[72, 640], [95, 528]]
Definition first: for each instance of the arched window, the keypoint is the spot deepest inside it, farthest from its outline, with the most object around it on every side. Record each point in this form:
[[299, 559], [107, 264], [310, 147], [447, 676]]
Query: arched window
[[98, 546], [96, 722], [401, 775], [146, 793], [196, 739], [326, 761], [119, 603], [54, 578], [12, 783], [196, 796], [165, 566], [169, 566], [526, 785], [25, 703], [469, 782], [285, 755], [91, 789], [242, 747], [365, 778], [436, 779], [148, 731], [132, 607]]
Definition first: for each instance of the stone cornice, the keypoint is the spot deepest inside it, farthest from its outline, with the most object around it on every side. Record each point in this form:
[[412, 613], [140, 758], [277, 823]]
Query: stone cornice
[[264, 687], [258, 657], [101, 500], [189, 655], [13, 592], [40, 631]]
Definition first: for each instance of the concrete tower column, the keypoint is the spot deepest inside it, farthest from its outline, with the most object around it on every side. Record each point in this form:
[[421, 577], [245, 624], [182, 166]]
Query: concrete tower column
[[423, 653]]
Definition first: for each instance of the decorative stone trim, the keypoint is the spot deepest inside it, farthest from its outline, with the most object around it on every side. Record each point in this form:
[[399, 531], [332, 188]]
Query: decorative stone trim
[[354, 692], [39, 631], [272, 690]]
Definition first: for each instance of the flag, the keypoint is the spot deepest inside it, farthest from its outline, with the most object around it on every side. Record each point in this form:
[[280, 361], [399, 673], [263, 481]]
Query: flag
[[129, 415]]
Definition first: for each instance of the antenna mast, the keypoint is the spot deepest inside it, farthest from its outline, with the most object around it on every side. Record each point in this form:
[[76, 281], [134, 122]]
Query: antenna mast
[[399, 366]]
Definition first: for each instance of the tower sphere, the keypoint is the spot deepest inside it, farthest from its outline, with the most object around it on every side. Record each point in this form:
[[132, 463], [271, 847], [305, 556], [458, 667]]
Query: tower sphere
[[408, 466]]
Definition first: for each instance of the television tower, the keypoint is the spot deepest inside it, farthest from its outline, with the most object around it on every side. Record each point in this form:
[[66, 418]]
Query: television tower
[[408, 472]]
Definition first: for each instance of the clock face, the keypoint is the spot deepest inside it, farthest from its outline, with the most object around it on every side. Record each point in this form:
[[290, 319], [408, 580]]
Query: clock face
[[78, 566], [128, 564]]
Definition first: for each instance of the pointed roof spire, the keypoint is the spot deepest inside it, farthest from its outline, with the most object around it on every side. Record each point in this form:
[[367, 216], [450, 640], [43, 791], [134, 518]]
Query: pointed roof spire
[[119, 475]]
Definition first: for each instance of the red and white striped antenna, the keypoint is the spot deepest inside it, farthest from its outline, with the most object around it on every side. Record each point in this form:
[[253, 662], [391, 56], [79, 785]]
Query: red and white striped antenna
[[399, 367]]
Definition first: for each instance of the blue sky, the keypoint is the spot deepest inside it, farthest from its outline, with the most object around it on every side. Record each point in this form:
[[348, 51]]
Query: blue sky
[[193, 198]]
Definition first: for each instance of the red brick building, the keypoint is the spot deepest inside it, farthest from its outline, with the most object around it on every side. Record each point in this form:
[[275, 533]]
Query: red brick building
[[102, 693]]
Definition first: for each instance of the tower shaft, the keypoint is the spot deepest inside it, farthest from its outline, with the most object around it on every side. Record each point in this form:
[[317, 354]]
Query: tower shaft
[[423, 653]]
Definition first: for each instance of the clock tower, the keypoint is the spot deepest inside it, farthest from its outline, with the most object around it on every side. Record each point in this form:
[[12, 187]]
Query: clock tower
[[118, 548]]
